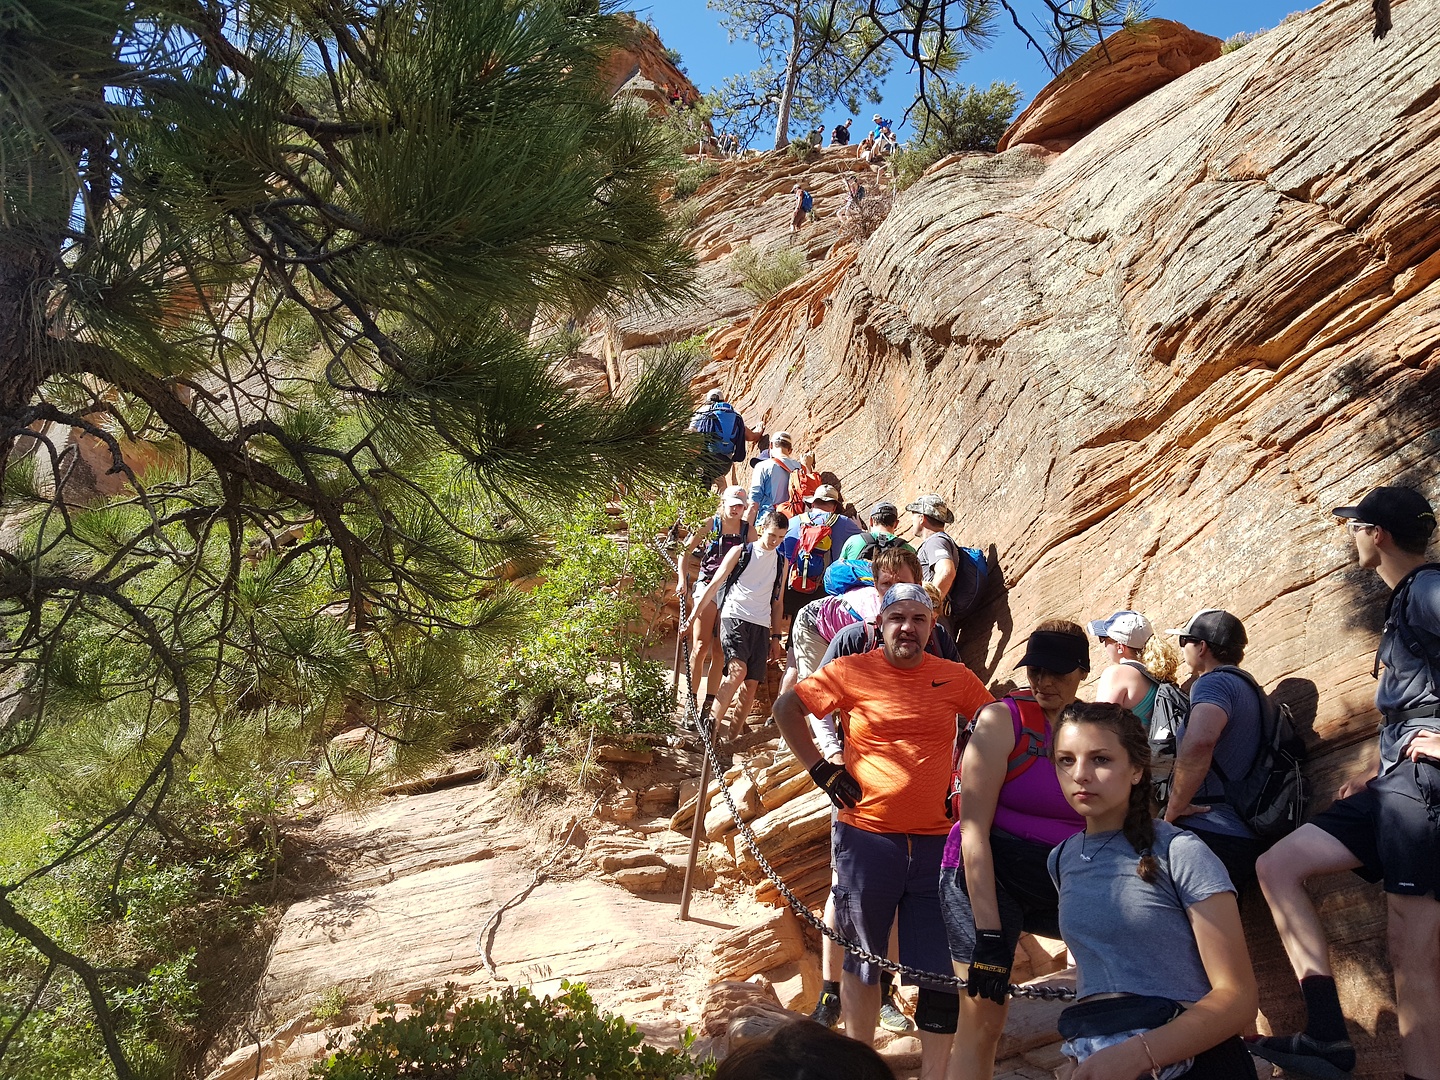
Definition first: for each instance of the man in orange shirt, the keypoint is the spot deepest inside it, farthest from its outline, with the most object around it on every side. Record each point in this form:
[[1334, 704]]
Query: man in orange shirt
[[900, 706]]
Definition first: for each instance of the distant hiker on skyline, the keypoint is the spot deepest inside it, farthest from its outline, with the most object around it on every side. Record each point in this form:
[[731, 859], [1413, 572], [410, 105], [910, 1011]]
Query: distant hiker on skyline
[[1385, 825], [841, 135]]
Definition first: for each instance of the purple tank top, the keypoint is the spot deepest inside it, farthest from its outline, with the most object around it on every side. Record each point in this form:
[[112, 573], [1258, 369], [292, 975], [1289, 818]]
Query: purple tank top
[[1031, 806]]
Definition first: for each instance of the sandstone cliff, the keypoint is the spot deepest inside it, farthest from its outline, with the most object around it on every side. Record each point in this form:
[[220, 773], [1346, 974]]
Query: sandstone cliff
[[1145, 368]]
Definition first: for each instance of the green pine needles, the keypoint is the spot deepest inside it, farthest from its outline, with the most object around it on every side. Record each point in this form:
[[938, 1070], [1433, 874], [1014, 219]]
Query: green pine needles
[[275, 436], [513, 1033]]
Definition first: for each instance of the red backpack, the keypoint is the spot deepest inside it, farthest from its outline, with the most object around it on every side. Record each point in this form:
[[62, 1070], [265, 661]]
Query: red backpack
[[1029, 748], [804, 482], [807, 571]]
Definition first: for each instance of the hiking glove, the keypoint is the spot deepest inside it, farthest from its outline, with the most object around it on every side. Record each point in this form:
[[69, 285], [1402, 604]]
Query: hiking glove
[[835, 781], [990, 967]]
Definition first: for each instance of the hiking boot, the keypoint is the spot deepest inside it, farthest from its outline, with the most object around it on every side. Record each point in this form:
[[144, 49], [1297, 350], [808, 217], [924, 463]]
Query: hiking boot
[[892, 1019], [1303, 1056], [827, 1010]]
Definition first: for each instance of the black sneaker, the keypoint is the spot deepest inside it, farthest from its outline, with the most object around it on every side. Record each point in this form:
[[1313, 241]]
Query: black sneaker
[[1304, 1056], [892, 1019], [827, 1010]]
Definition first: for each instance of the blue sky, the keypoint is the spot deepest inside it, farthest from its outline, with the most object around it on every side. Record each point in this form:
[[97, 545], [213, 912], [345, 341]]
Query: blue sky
[[687, 25]]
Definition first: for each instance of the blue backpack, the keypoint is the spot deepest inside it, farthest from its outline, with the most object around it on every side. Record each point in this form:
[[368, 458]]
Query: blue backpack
[[723, 430], [807, 203], [841, 577]]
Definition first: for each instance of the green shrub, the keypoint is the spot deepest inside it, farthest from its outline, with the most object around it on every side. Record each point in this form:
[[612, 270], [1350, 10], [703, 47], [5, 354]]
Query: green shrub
[[513, 1033], [951, 122], [1240, 40], [763, 275], [800, 149], [689, 178]]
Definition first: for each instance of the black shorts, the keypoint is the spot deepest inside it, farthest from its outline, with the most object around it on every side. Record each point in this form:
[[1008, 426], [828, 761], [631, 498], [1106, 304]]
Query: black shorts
[[1238, 853], [747, 642], [1393, 828], [1023, 890]]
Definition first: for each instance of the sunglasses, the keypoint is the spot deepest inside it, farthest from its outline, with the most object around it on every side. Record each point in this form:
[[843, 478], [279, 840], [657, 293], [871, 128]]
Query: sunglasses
[[1186, 639], [1358, 526]]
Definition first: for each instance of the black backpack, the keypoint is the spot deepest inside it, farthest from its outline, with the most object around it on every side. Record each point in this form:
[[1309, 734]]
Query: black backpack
[[875, 544], [1167, 716], [1409, 636], [1272, 794]]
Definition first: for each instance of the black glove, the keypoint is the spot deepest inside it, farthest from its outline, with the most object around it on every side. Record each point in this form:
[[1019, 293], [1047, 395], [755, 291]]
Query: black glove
[[843, 789], [990, 967]]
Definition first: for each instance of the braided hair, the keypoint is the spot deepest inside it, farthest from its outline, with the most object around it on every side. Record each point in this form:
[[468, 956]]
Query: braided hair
[[1139, 827]]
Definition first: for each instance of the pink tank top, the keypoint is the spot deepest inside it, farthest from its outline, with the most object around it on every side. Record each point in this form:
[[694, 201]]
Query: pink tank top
[[1031, 806]]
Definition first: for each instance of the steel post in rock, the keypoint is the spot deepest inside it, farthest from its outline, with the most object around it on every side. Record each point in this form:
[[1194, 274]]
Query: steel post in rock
[[696, 828]]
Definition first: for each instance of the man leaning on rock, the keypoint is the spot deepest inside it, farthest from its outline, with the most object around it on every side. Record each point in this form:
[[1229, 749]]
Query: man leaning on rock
[[1385, 825]]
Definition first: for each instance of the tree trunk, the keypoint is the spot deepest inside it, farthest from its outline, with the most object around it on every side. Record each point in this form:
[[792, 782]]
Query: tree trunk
[[792, 77]]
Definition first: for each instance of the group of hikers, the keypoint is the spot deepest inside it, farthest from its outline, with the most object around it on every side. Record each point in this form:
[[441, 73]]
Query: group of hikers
[[1128, 826]]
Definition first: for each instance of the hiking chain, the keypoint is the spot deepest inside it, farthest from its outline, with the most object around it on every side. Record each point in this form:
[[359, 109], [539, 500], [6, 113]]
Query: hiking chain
[[915, 975]]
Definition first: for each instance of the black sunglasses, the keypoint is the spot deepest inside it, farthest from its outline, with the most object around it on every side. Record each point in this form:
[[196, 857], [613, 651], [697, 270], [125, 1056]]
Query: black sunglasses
[[1186, 639]]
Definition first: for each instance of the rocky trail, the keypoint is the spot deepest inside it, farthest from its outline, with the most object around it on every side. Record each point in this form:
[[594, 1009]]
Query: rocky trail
[[477, 885]]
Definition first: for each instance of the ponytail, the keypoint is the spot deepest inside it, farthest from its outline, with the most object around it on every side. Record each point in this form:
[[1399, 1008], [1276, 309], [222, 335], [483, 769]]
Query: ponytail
[[1139, 828]]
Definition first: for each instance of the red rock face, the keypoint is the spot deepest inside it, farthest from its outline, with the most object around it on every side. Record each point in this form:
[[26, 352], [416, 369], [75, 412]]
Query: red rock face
[[1130, 64], [1146, 368], [641, 68]]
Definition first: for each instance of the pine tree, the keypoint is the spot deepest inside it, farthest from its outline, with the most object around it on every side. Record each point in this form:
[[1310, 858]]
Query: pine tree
[[272, 423]]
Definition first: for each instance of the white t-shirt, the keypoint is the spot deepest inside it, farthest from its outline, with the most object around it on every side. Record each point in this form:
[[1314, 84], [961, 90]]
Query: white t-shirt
[[749, 599]]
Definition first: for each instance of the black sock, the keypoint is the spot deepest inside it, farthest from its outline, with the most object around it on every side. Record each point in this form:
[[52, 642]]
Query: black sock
[[1324, 1022], [887, 984], [830, 987]]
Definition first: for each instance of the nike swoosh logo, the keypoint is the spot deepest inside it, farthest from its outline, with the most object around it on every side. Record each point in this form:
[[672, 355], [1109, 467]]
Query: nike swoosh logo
[[947, 682]]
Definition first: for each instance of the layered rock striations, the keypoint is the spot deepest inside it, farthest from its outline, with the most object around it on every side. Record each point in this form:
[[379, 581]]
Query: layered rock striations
[[1145, 368]]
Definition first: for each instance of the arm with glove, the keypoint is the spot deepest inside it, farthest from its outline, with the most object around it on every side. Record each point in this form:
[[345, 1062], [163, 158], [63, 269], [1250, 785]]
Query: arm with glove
[[791, 717], [984, 764]]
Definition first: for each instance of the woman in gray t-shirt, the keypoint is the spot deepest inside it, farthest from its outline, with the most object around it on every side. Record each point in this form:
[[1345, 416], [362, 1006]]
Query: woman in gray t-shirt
[[1145, 908]]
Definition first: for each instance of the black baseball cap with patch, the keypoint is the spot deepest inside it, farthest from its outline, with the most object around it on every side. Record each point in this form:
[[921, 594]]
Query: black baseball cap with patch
[[1401, 511]]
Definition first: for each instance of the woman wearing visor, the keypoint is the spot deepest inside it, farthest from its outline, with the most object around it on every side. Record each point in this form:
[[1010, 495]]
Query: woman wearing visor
[[994, 881]]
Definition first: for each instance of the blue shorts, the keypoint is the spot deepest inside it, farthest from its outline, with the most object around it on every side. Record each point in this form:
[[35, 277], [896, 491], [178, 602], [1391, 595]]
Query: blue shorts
[[879, 876]]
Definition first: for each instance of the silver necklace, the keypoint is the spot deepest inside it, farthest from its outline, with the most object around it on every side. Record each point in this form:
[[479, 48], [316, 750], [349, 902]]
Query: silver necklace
[[1091, 857]]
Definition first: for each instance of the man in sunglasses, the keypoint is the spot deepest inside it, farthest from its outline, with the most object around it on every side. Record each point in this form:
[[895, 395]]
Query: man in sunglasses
[[1220, 739], [1385, 825]]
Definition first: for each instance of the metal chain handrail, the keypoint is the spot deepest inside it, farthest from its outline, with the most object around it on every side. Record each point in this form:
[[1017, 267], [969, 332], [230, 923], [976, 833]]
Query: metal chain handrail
[[692, 716]]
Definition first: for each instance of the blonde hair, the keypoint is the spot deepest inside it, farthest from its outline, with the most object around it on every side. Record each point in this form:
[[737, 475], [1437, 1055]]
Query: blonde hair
[[1161, 658], [933, 591]]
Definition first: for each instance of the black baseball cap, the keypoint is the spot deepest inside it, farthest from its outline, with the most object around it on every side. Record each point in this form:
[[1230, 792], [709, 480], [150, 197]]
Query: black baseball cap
[[885, 511], [1401, 511], [1214, 626], [1057, 652]]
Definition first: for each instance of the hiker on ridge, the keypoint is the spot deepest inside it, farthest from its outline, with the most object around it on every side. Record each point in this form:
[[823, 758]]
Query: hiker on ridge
[[900, 705], [1385, 826], [1220, 738], [804, 203], [841, 135], [770, 479]]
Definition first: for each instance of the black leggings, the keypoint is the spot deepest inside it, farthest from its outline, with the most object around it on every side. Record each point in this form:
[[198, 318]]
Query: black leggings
[[1228, 1061]]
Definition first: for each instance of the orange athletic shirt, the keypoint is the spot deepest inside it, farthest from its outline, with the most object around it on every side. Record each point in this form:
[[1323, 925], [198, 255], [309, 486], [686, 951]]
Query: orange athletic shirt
[[899, 734]]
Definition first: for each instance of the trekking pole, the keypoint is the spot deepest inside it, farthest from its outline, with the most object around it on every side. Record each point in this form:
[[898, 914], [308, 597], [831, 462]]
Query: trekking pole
[[696, 828]]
